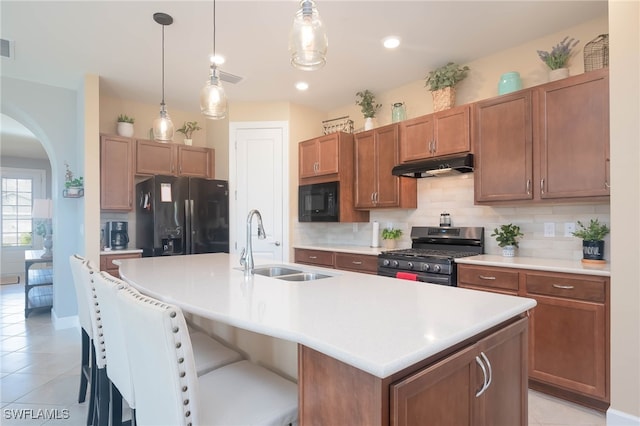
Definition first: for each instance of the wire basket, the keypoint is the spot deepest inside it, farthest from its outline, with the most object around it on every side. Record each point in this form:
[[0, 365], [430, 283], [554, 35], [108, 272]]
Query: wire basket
[[341, 124], [596, 53]]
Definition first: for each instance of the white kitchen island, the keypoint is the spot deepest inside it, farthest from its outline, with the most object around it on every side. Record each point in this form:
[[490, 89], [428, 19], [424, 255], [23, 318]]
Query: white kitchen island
[[364, 341]]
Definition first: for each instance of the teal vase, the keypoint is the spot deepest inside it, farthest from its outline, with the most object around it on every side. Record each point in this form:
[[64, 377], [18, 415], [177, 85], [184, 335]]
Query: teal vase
[[509, 82]]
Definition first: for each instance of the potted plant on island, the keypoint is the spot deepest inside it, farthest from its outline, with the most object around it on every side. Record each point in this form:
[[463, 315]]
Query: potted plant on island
[[442, 81], [125, 125], [187, 129], [507, 238], [367, 103], [74, 187], [592, 240], [558, 58], [390, 235]]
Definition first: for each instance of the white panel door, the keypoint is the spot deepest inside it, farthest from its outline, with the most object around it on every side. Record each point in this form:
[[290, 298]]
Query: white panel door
[[260, 183]]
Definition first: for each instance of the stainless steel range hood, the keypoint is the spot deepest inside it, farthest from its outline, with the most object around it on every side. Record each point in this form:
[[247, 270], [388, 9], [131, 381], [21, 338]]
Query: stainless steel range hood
[[445, 166]]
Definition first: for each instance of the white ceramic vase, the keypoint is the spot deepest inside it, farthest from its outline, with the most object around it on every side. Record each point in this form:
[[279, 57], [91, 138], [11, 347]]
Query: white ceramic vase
[[188, 142], [558, 74], [389, 243], [369, 123], [509, 251], [125, 129]]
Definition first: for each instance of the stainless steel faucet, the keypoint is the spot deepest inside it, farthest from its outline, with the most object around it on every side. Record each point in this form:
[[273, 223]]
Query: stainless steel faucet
[[246, 258]]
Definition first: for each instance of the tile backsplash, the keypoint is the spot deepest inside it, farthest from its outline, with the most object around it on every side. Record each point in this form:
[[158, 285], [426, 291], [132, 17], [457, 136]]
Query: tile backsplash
[[454, 195]]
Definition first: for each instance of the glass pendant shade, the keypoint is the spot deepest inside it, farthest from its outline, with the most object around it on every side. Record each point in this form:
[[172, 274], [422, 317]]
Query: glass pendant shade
[[163, 127], [308, 39], [213, 99]]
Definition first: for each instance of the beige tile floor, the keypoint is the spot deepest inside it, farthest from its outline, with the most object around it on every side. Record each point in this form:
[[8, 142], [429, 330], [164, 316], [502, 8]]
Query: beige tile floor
[[40, 373]]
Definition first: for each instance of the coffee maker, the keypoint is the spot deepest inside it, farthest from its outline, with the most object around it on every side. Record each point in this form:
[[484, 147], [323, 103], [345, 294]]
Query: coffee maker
[[117, 235]]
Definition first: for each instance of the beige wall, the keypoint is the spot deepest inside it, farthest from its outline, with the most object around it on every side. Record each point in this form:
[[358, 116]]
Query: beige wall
[[624, 24], [91, 240]]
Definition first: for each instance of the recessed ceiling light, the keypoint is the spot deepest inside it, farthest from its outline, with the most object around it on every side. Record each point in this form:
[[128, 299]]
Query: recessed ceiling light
[[301, 85], [391, 42]]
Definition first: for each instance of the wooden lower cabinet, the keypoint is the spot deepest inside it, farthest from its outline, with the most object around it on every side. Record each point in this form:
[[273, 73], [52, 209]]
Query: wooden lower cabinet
[[367, 264], [487, 278], [106, 262], [314, 257], [482, 383]]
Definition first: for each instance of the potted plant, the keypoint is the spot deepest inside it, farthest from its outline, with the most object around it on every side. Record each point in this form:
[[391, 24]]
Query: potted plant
[[125, 125], [507, 238], [592, 239], [558, 58], [368, 106], [442, 81], [390, 235], [74, 187], [187, 129]]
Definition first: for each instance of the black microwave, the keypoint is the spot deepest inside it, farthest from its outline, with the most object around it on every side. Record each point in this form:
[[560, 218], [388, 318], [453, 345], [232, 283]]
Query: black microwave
[[319, 202]]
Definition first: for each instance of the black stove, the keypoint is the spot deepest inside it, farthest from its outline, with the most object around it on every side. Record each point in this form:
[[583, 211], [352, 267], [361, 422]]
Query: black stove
[[432, 255]]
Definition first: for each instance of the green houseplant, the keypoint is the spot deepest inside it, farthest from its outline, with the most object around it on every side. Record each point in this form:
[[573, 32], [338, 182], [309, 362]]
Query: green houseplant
[[187, 129], [592, 239], [368, 106], [507, 238], [560, 54], [442, 81], [74, 187], [125, 125], [390, 235]]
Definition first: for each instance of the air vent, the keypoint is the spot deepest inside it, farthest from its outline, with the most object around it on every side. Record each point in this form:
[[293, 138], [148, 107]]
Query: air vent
[[6, 48], [229, 78]]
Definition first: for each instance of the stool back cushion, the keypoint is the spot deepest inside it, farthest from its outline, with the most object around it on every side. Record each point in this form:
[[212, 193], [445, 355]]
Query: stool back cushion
[[119, 371], [81, 296], [162, 364]]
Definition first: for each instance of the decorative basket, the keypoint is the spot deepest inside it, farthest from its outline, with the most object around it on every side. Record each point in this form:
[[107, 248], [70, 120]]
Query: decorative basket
[[596, 53], [341, 124], [443, 98]]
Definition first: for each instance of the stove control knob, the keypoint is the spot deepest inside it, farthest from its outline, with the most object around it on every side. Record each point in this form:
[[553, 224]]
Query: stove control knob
[[385, 262], [425, 266], [410, 265], [395, 263], [436, 268]]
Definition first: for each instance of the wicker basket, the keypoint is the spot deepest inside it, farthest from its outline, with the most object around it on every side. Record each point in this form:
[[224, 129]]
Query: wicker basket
[[443, 98]]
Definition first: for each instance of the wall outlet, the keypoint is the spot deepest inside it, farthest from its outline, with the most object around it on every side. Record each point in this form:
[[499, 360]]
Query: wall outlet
[[549, 229], [569, 229]]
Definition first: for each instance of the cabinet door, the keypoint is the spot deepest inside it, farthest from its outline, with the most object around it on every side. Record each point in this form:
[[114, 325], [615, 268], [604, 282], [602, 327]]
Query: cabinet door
[[155, 158], [116, 173], [503, 146], [386, 158], [328, 155], [366, 174], [574, 136], [416, 138], [308, 158], [196, 162], [452, 133]]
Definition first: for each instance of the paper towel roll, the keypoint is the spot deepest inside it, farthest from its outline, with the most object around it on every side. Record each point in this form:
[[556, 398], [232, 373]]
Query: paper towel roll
[[375, 238]]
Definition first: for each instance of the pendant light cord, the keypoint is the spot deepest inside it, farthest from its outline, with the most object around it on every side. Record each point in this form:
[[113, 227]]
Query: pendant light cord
[[163, 66], [214, 31]]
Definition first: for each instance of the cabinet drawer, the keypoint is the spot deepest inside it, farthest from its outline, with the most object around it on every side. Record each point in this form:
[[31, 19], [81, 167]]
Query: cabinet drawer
[[492, 278], [314, 257], [568, 286], [357, 262]]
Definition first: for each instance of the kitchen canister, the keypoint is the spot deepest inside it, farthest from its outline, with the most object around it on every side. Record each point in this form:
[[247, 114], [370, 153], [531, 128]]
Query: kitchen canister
[[509, 82], [398, 112]]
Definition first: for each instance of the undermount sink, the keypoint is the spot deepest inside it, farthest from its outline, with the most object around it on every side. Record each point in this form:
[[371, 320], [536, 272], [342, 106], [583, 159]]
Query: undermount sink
[[275, 271], [304, 276]]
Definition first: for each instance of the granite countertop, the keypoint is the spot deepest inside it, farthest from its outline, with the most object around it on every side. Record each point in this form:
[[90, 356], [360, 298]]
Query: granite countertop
[[377, 324], [539, 264]]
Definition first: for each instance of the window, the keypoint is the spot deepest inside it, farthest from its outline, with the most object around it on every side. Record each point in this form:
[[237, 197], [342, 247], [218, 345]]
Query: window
[[19, 188]]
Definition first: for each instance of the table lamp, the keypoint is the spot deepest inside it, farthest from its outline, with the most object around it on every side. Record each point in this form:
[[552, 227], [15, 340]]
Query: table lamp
[[43, 209]]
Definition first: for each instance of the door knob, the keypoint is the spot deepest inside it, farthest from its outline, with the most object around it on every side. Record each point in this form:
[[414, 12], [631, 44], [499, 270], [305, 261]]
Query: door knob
[[277, 243]]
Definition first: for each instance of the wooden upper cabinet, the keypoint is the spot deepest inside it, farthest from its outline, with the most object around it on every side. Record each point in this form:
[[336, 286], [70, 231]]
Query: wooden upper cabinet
[[116, 173], [434, 135], [155, 158], [319, 156], [376, 153], [503, 148], [574, 136]]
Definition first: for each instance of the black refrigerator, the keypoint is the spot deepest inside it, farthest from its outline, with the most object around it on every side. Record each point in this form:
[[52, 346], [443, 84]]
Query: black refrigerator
[[182, 215]]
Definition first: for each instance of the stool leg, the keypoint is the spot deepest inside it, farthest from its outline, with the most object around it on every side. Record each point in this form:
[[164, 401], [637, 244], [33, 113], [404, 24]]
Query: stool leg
[[116, 406], [93, 392], [84, 366], [102, 410]]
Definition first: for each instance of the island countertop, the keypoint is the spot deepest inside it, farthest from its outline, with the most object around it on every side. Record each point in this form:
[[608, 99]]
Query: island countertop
[[377, 324]]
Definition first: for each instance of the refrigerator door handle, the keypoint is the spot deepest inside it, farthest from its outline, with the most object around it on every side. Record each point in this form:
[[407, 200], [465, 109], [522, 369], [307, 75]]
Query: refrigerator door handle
[[187, 227], [191, 230]]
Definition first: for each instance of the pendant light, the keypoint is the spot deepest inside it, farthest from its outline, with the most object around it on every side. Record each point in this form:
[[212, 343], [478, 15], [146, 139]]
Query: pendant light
[[308, 40], [213, 100], [163, 126]]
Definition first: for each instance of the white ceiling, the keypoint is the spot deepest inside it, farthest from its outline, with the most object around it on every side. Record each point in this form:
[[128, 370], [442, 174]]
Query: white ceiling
[[56, 43]]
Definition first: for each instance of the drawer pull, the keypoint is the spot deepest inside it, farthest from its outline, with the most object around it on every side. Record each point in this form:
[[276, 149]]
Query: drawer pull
[[355, 262], [484, 277], [313, 257], [563, 287]]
